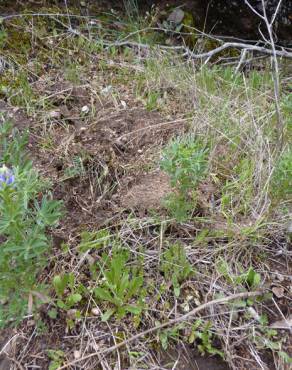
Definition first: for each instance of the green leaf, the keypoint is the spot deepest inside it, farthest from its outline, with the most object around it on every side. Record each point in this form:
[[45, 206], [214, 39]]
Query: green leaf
[[53, 313], [103, 294], [285, 357], [49, 212], [134, 287], [54, 365], [107, 314], [61, 304], [73, 299], [253, 279], [60, 283], [163, 336], [176, 290], [133, 309]]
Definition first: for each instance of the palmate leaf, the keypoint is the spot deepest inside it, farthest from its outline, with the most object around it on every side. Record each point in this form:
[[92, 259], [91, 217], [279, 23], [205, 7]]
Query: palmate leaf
[[30, 247], [49, 212], [24, 242]]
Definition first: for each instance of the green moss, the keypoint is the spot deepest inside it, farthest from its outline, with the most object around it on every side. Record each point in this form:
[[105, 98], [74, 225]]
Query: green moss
[[188, 27]]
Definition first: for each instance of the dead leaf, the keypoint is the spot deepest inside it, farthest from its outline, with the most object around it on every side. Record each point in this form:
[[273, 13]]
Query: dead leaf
[[283, 324], [278, 291]]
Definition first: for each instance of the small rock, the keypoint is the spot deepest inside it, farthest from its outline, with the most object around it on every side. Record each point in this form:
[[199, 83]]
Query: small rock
[[85, 109], [280, 277], [90, 260], [106, 90], [95, 312], [3, 301], [254, 314], [176, 16], [186, 307], [77, 354]]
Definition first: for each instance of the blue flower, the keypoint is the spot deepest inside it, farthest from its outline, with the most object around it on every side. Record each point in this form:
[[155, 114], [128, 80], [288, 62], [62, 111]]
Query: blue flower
[[6, 176]]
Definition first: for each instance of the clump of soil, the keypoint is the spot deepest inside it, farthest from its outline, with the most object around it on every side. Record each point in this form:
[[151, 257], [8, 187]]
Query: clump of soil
[[148, 193]]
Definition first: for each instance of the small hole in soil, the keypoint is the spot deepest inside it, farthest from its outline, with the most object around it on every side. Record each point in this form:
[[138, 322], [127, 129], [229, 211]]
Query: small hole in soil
[[59, 166]]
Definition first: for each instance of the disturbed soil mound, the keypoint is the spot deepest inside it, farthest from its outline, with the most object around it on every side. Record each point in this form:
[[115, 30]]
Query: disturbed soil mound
[[148, 193]]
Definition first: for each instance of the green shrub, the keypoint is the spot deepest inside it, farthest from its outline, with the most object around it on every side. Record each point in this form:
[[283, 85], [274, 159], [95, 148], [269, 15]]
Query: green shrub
[[25, 215], [185, 161]]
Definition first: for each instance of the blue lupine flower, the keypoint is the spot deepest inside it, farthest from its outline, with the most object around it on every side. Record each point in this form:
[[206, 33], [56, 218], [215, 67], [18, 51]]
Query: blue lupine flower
[[6, 176]]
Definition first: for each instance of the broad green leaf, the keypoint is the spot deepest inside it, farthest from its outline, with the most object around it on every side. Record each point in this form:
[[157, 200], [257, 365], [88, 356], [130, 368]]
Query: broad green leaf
[[73, 299], [103, 294], [60, 283], [107, 314], [133, 309], [253, 279]]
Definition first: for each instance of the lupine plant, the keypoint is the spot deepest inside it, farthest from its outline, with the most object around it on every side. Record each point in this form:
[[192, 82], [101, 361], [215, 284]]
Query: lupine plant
[[6, 177], [26, 212]]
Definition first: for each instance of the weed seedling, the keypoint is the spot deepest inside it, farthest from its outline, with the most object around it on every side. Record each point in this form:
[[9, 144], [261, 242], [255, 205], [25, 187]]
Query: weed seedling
[[175, 266], [185, 161], [57, 358], [119, 286]]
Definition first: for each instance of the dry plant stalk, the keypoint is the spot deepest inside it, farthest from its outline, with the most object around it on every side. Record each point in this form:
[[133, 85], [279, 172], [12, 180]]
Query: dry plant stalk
[[274, 63]]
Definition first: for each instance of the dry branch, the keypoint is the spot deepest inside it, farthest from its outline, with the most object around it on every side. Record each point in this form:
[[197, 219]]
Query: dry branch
[[239, 45], [274, 63]]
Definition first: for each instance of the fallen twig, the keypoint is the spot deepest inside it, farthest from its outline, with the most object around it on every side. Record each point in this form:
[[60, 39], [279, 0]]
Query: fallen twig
[[177, 320], [239, 45]]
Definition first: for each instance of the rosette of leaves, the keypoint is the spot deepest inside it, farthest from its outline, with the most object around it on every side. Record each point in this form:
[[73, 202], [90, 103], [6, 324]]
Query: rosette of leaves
[[120, 287]]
